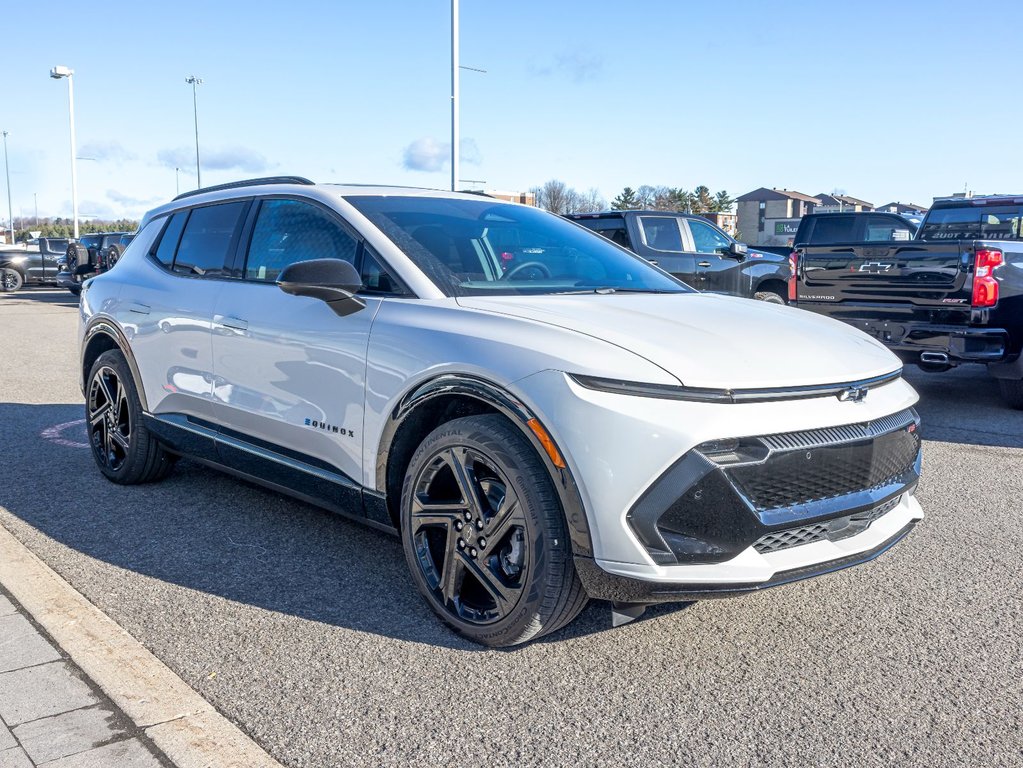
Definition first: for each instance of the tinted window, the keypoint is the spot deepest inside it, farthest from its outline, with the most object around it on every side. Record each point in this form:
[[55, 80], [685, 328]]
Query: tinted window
[[885, 228], [207, 236], [288, 231], [482, 247], [611, 228], [989, 222], [164, 252], [707, 239], [833, 229], [661, 233], [375, 278]]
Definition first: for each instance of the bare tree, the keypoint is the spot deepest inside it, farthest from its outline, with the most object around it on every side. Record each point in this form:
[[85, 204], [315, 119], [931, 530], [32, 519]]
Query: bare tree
[[557, 197], [590, 201]]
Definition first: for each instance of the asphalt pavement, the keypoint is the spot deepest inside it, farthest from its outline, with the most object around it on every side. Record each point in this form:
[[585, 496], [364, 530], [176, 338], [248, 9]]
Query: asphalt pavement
[[305, 629]]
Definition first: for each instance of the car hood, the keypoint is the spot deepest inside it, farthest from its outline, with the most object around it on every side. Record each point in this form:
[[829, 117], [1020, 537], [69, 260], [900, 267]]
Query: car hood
[[704, 340]]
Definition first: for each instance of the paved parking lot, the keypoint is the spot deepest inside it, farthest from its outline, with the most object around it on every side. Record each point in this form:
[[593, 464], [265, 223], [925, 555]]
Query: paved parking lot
[[304, 628]]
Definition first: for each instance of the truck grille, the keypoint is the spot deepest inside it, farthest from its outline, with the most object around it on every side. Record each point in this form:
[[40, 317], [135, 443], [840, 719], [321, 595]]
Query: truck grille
[[822, 467]]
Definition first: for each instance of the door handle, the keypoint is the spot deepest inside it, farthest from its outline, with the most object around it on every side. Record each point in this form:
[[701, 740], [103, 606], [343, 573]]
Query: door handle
[[703, 264], [232, 322], [141, 309]]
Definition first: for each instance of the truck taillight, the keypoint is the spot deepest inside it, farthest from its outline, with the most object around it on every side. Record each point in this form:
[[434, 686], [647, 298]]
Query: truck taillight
[[985, 287], [793, 269]]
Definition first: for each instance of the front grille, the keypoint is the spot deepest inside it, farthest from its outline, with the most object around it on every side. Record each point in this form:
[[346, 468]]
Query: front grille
[[814, 438], [832, 530], [824, 470]]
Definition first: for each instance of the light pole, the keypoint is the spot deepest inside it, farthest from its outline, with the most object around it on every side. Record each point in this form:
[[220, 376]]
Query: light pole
[[7, 170], [454, 95], [194, 82], [177, 181], [57, 73]]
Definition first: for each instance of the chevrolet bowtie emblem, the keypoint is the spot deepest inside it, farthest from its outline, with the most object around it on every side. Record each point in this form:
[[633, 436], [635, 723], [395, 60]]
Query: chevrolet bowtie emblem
[[875, 266], [853, 394]]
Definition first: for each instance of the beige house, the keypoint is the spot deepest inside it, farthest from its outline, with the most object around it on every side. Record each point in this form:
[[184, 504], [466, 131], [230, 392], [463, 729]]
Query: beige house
[[771, 216]]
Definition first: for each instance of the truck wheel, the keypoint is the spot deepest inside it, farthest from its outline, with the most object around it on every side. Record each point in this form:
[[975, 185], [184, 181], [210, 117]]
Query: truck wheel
[[770, 297], [1012, 392], [10, 280], [484, 534]]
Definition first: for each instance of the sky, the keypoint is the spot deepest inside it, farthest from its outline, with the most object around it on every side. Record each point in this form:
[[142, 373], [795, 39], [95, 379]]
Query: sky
[[884, 101]]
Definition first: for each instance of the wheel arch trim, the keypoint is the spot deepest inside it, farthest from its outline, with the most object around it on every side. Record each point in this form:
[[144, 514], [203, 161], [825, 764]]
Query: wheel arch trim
[[497, 397], [103, 326]]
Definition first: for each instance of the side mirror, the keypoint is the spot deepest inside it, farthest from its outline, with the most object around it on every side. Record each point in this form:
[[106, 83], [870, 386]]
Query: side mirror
[[739, 251], [331, 280]]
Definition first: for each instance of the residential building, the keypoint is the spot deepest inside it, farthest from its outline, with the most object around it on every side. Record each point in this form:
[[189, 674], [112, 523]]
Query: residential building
[[771, 216], [903, 208], [722, 219], [841, 204], [526, 198]]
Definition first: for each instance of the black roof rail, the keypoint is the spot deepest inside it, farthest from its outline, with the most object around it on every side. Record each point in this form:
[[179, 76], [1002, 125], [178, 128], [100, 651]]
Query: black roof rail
[[248, 183]]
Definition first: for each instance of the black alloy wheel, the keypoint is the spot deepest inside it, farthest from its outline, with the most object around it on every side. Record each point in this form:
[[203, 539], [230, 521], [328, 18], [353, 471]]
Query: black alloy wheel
[[109, 419], [124, 449], [484, 533], [10, 280], [470, 535]]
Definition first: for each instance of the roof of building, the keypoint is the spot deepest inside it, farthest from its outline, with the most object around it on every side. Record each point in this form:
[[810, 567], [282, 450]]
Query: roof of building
[[775, 194], [902, 207], [827, 199]]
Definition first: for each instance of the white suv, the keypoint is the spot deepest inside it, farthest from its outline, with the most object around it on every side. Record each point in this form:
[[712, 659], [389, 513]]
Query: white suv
[[541, 415]]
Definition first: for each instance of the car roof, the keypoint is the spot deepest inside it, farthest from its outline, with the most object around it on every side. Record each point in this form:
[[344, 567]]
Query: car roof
[[644, 211]]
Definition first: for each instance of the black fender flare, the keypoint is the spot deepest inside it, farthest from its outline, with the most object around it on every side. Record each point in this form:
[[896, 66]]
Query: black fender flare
[[106, 327], [515, 411]]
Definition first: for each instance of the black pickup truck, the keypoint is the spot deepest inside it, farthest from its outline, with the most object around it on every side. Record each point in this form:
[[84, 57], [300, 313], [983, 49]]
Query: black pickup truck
[[952, 294], [695, 251], [35, 265]]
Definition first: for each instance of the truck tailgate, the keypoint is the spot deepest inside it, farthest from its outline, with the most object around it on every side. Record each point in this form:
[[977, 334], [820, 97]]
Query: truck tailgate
[[931, 275]]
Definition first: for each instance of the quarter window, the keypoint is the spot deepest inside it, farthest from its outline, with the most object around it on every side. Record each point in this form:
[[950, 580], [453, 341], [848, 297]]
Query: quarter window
[[169, 241], [706, 239], [661, 233], [204, 244], [289, 231]]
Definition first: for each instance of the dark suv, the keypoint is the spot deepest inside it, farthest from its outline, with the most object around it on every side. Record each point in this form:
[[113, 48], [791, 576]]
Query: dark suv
[[91, 255], [695, 251]]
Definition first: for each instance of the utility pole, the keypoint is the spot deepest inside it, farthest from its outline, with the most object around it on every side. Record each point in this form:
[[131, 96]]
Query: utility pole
[[7, 169], [177, 181], [454, 95], [195, 81]]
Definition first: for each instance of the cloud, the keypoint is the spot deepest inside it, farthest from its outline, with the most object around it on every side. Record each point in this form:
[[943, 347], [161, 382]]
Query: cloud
[[580, 67], [108, 151], [229, 159], [132, 202], [429, 154]]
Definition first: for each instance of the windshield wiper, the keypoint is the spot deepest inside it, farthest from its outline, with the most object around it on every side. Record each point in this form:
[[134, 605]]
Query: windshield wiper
[[607, 289]]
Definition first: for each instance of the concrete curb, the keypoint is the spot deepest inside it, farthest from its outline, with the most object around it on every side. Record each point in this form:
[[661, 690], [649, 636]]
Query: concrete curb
[[190, 732]]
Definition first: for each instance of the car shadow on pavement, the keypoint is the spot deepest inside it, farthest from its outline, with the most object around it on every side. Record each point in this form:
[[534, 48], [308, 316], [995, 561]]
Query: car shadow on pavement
[[42, 294], [207, 531]]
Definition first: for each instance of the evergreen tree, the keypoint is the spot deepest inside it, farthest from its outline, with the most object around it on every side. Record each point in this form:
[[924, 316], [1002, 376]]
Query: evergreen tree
[[626, 201]]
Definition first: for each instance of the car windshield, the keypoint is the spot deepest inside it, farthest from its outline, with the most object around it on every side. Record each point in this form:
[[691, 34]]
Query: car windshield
[[486, 248]]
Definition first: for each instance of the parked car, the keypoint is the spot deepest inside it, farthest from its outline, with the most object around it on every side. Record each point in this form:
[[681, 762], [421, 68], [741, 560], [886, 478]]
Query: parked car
[[572, 423], [695, 251], [91, 255], [34, 265], [951, 295], [853, 227]]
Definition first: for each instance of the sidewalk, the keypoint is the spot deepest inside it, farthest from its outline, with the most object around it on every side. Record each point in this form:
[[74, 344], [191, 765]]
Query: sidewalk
[[51, 714]]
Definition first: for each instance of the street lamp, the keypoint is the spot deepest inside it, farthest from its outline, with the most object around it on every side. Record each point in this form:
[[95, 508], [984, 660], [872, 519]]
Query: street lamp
[[195, 81], [454, 95], [57, 73], [7, 170]]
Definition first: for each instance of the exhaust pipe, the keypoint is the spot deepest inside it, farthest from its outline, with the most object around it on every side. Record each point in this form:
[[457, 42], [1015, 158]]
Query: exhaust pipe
[[934, 358]]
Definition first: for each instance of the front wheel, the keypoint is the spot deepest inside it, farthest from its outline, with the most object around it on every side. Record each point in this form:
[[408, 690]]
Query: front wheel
[[10, 280], [484, 534], [1012, 392]]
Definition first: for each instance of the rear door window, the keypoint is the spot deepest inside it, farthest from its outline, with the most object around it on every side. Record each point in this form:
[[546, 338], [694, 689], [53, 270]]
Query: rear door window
[[662, 233], [833, 229], [204, 245]]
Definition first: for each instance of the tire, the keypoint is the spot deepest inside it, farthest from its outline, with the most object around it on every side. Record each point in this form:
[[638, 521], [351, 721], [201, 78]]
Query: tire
[[770, 297], [113, 254], [1012, 392], [124, 450], [76, 290], [484, 534], [10, 280]]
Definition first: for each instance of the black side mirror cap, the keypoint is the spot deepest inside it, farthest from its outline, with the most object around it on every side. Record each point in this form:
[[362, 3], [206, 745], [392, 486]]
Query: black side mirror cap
[[330, 280]]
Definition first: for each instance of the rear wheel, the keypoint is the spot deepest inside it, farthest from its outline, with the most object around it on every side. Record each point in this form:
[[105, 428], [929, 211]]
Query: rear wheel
[[123, 448], [1012, 392], [10, 280], [484, 534], [770, 297]]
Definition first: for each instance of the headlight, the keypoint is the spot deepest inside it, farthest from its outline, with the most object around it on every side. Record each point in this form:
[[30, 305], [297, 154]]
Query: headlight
[[662, 391]]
